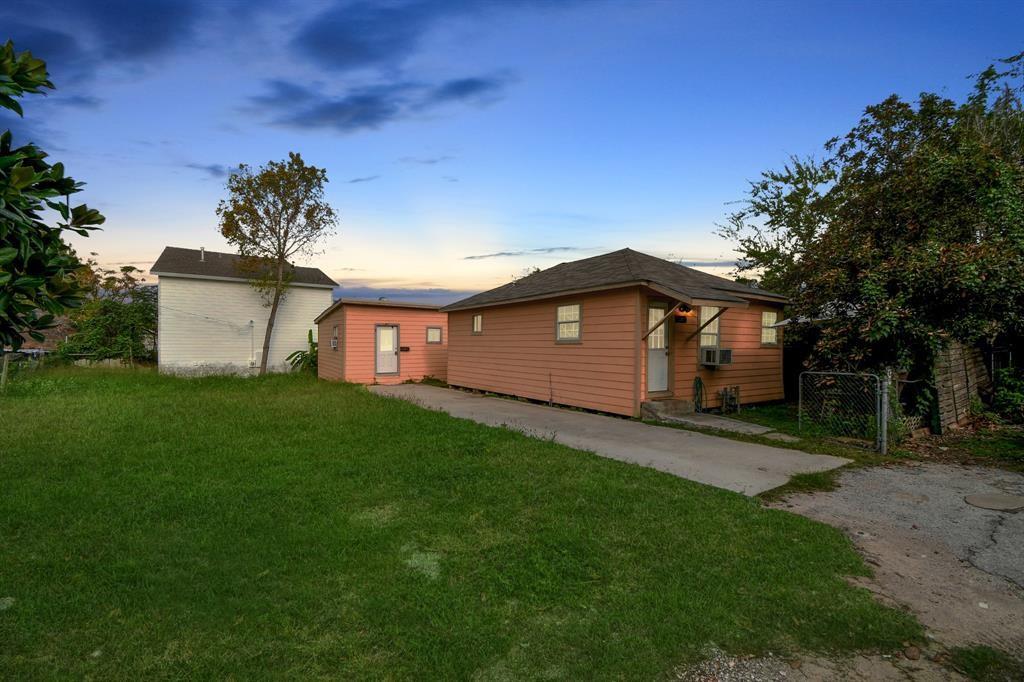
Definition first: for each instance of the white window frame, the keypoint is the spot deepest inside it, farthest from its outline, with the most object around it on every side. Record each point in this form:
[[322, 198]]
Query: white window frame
[[334, 337], [767, 328], [706, 313], [478, 323], [561, 336], [440, 335]]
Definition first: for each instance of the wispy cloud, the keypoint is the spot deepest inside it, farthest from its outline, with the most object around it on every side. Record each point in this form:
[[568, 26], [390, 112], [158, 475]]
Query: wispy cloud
[[104, 32], [364, 35], [214, 170], [526, 252], [293, 105], [77, 101], [368, 178], [425, 160], [476, 89]]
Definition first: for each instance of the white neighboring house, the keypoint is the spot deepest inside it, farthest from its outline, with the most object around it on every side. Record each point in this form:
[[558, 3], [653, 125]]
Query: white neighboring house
[[212, 321]]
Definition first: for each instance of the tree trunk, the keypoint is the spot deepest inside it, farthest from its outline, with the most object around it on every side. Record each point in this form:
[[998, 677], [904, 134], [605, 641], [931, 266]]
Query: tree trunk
[[270, 320]]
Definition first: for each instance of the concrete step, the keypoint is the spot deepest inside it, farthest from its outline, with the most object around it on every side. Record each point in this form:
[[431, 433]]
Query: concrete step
[[662, 409]]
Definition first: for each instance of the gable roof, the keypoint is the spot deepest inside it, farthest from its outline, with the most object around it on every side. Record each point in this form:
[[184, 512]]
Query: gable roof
[[214, 265], [375, 302], [625, 267]]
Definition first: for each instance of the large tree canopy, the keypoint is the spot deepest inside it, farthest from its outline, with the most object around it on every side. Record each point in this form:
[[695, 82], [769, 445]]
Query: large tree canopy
[[118, 318], [908, 233], [272, 214], [36, 264]]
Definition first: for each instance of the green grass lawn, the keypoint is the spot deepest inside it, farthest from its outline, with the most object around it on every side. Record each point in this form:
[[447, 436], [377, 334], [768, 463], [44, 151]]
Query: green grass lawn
[[999, 446], [280, 527]]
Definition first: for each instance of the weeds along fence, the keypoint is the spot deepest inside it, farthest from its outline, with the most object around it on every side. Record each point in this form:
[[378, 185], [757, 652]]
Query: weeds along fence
[[14, 364], [845, 405]]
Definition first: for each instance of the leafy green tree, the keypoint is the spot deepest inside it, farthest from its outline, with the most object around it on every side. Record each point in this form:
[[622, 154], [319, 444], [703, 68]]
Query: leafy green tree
[[36, 264], [910, 231], [118, 318], [273, 214]]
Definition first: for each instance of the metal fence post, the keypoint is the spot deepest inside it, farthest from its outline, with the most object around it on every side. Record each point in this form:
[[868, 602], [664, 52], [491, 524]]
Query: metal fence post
[[883, 413], [800, 403]]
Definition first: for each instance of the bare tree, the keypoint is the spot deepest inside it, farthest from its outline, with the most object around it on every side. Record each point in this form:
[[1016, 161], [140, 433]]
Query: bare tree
[[272, 214]]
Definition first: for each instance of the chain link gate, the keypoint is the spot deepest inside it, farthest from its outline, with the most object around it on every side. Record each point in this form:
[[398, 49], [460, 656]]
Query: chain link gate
[[845, 404]]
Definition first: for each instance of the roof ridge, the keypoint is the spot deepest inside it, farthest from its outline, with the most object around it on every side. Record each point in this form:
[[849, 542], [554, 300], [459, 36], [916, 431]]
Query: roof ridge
[[184, 261], [626, 254]]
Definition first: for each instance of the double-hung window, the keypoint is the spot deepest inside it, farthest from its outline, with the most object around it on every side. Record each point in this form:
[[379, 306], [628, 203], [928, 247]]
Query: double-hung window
[[478, 324], [769, 334], [709, 335], [568, 321]]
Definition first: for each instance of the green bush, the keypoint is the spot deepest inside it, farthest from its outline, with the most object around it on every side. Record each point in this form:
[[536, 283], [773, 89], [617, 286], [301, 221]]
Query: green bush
[[305, 360], [1008, 398]]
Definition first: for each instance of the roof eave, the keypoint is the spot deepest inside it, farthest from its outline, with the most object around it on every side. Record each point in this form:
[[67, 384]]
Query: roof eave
[[341, 302], [220, 278]]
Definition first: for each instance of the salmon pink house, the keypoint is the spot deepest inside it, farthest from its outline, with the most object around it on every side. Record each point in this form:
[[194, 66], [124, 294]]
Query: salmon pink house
[[381, 342], [619, 332]]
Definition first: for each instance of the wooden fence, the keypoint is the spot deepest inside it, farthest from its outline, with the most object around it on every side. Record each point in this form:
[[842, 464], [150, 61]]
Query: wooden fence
[[960, 377]]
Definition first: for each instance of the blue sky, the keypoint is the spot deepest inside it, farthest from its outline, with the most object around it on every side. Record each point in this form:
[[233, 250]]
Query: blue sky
[[468, 141]]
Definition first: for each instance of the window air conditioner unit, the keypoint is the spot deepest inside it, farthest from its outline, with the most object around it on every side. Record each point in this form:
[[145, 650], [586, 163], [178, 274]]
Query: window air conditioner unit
[[334, 343], [713, 357]]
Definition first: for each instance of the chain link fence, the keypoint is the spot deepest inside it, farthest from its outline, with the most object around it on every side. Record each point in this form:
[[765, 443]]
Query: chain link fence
[[845, 405]]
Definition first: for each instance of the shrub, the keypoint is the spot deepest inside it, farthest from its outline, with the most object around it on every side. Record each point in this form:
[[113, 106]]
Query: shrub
[[1008, 397], [305, 360]]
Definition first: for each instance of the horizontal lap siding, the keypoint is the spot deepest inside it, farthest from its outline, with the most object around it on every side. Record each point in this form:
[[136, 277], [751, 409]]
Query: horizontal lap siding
[[517, 353], [330, 362], [421, 360], [204, 324], [756, 369]]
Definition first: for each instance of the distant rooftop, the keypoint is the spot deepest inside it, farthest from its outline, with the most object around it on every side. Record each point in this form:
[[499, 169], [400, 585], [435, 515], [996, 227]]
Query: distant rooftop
[[201, 263]]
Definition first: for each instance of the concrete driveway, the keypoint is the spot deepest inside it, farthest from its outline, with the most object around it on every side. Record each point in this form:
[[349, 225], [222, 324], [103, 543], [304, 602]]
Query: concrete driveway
[[747, 468]]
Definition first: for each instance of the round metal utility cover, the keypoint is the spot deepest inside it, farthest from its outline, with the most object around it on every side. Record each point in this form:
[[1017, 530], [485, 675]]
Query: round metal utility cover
[[996, 501]]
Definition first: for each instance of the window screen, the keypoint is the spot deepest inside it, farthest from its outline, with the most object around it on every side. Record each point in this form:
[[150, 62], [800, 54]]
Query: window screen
[[568, 323], [709, 334], [769, 335]]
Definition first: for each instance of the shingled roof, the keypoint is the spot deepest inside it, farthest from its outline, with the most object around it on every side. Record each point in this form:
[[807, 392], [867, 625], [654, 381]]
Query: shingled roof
[[376, 303], [625, 267], [213, 265]]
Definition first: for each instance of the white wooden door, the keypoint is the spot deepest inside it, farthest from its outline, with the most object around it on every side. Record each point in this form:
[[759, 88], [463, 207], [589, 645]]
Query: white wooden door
[[657, 350], [387, 349]]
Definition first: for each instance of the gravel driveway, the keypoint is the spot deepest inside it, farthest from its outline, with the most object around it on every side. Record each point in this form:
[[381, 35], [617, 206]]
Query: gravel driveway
[[959, 568]]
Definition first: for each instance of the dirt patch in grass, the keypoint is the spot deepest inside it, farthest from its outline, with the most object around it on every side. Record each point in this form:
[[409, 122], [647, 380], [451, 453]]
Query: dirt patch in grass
[[955, 566], [979, 444], [871, 667]]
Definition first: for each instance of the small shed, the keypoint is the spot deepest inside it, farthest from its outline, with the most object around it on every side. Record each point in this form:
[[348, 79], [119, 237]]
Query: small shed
[[382, 342]]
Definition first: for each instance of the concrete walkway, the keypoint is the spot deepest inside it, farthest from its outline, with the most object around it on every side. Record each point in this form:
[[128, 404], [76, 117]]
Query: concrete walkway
[[747, 468]]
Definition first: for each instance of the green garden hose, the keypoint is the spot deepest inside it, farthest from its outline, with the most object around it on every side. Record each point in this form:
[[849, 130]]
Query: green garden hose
[[698, 394]]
